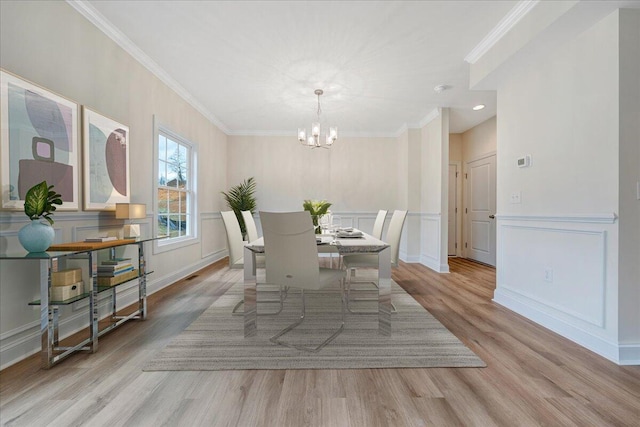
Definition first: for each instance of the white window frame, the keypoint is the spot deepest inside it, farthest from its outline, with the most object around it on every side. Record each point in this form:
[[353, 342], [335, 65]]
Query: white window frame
[[164, 245]]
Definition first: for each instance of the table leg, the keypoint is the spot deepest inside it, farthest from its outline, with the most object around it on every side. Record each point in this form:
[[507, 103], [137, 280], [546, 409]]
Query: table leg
[[384, 292], [250, 302], [46, 314], [93, 300]]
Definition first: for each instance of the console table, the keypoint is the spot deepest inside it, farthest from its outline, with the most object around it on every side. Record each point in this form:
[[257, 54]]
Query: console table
[[55, 259]]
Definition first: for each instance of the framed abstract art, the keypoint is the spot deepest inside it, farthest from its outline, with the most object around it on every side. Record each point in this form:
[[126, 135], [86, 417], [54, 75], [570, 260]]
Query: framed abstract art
[[106, 161], [38, 142]]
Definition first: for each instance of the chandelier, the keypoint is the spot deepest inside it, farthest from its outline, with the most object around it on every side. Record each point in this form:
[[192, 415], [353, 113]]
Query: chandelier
[[314, 140]]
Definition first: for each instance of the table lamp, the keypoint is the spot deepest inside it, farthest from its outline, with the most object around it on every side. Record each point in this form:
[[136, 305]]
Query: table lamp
[[131, 211]]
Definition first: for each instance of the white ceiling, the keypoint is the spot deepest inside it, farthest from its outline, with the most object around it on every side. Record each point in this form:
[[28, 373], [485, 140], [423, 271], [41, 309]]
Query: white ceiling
[[253, 66]]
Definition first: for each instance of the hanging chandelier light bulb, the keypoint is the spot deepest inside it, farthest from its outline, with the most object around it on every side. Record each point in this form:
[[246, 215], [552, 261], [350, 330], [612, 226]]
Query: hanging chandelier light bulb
[[313, 140]]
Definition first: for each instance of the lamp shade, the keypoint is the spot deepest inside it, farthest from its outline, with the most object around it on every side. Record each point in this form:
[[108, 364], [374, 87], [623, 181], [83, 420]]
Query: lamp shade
[[131, 210]]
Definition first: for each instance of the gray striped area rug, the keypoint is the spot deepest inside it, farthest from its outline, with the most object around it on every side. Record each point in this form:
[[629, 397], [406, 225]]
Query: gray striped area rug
[[215, 341]]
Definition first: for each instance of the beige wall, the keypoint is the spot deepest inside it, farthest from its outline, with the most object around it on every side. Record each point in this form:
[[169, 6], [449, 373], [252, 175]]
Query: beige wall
[[71, 57], [356, 174]]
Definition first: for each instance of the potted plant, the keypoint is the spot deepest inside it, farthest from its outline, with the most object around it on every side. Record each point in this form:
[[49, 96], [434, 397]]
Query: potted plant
[[39, 203], [317, 209], [242, 198]]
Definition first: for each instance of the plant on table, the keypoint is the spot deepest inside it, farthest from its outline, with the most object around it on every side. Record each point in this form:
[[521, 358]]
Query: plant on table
[[317, 209], [39, 203]]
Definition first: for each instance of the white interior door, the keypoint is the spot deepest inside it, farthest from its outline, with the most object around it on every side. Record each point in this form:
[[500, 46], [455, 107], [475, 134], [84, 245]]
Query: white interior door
[[453, 208], [480, 209]]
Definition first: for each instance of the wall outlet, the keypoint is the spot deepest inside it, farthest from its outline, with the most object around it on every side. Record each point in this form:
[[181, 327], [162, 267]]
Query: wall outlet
[[515, 197], [548, 275]]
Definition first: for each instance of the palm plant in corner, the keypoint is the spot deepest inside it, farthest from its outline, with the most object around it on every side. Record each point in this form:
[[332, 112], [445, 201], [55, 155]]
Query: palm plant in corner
[[242, 198], [317, 209], [39, 203]]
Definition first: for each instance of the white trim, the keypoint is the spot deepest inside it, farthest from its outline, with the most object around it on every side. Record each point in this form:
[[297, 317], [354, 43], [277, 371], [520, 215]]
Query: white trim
[[431, 115], [514, 16], [629, 354], [603, 218], [594, 343], [103, 24]]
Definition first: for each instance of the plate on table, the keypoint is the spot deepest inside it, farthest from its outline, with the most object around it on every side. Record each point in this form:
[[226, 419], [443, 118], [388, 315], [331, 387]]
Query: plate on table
[[350, 234]]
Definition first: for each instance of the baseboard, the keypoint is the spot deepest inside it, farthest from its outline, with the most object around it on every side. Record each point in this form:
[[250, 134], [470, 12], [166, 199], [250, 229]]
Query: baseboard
[[619, 354], [629, 354], [434, 264], [24, 342]]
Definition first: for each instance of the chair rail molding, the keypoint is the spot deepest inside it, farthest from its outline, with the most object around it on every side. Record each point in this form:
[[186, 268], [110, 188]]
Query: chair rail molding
[[595, 218]]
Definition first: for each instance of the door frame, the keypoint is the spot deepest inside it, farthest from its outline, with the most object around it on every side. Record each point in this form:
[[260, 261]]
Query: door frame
[[459, 205]]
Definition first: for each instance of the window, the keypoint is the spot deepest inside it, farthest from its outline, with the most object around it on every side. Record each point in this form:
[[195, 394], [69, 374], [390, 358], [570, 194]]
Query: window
[[175, 194]]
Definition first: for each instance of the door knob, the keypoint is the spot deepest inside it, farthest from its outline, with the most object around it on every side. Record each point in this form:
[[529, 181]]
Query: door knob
[[492, 216]]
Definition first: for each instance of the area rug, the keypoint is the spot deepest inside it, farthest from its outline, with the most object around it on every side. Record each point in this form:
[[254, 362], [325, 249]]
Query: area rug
[[215, 340]]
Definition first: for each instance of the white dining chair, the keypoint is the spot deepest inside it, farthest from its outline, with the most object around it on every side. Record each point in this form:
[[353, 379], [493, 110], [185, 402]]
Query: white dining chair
[[354, 261], [234, 239], [378, 225], [252, 235], [292, 260], [250, 226]]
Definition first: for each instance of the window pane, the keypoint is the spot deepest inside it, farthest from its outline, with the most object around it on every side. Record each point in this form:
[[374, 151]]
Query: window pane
[[172, 176], [174, 226], [183, 203], [182, 223], [162, 173], [173, 199], [162, 225], [172, 148], [162, 201]]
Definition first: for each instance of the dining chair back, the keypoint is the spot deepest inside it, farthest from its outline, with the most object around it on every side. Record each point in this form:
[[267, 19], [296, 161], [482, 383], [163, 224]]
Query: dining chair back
[[250, 226], [291, 253], [234, 239], [394, 234], [291, 257], [378, 225]]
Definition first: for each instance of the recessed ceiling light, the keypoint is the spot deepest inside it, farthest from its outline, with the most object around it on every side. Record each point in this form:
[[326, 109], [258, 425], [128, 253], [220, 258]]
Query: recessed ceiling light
[[478, 107]]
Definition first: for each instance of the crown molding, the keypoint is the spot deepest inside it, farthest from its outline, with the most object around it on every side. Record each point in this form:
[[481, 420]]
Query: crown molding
[[104, 25], [504, 26], [429, 117]]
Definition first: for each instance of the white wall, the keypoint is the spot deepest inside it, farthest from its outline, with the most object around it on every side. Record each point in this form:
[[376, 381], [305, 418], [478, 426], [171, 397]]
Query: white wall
[[71, 57], [563, 108], [629, 177], [434, 203]]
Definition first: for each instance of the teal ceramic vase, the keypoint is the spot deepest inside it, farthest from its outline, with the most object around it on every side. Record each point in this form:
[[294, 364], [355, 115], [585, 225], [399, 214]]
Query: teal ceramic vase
[[36, 236]]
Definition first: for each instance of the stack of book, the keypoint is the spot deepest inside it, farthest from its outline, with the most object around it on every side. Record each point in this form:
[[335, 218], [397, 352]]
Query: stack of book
[[115, 271]]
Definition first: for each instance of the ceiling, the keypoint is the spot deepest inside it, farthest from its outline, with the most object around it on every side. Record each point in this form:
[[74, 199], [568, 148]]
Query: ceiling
[[252, 67]]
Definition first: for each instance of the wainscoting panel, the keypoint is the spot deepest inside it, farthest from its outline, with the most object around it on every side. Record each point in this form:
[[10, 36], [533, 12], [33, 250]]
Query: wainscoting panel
[[213, 235], [430, 248], [560, 271], [561, 268]]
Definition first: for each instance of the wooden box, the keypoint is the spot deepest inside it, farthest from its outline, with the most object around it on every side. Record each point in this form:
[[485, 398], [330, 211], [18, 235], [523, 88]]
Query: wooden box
[[62, 293], [66, 277]]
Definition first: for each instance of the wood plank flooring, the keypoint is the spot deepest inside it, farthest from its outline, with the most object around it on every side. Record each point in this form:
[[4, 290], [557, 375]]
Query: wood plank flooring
[[534, 377]]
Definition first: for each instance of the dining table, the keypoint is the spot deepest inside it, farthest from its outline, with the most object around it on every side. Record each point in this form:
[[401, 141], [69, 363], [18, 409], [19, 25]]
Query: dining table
[[353, 244]]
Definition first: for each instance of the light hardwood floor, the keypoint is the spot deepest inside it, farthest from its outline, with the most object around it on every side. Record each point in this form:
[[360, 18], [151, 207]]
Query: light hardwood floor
[[534, 377]]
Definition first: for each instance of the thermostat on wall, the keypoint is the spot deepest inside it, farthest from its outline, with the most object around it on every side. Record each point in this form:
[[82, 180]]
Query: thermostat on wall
[[524, 161]]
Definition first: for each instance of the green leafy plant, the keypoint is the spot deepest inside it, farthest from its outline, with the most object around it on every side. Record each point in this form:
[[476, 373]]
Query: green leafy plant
[[317, 209], [40, 200], [242, 198]]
